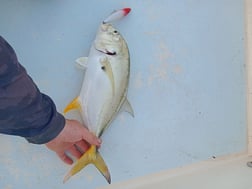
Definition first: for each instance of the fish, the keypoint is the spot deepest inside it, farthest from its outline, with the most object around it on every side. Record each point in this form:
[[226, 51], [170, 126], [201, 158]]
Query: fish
[[104, 89]]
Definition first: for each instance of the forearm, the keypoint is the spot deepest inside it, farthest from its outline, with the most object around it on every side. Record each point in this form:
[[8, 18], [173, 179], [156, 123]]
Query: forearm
[[24, 110]]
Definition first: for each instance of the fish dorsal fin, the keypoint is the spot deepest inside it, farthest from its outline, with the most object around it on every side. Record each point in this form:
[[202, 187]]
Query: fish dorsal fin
[[82, 63], [127, 107], [106, 67], [74, 104]]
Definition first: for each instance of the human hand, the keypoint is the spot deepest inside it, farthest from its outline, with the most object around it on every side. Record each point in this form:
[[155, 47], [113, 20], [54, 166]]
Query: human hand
[[75, 139]]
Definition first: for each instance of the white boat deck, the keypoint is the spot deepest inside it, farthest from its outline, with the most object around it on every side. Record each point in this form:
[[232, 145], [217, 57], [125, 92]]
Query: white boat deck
[[225, 173]]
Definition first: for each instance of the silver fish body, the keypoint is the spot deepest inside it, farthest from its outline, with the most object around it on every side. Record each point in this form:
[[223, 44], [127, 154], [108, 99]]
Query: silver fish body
[[106, 79], [104, 89]]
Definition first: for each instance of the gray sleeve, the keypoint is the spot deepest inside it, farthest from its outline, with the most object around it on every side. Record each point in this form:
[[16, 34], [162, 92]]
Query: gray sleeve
[[24, 110]]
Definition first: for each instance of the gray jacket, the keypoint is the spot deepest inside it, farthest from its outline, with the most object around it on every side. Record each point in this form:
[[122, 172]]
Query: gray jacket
[[24, 110]]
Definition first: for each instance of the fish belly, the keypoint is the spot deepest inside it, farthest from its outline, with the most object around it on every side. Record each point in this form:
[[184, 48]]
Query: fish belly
[[99, 104]]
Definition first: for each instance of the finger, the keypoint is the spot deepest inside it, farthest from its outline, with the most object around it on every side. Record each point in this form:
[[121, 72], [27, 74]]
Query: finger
[[74, 152], [90, 138], [65, 158], [82, 146]]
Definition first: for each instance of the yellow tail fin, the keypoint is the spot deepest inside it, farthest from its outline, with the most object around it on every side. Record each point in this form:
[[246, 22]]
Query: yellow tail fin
[[90, 156], [75, 104]]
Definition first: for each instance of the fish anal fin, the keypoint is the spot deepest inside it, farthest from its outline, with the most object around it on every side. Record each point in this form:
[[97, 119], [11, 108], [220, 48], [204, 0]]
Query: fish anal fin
[[91, 156], [74, 104], [82, 63], [127, 107]]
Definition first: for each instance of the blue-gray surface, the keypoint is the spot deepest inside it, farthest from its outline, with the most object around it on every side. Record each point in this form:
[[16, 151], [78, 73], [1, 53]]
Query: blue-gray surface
[[187, 84]]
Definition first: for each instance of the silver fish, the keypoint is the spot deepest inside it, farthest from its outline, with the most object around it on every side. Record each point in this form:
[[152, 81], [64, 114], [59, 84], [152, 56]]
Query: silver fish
[[104, 90]]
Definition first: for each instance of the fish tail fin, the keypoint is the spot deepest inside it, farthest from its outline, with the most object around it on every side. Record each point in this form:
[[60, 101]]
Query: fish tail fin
[[74, 104], [92, 156]]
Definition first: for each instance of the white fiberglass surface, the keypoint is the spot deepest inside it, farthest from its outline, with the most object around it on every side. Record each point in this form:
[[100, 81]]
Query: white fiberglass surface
[[187, 84]]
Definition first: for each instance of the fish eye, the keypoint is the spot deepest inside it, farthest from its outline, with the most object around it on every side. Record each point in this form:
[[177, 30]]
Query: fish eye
[[115, 31]]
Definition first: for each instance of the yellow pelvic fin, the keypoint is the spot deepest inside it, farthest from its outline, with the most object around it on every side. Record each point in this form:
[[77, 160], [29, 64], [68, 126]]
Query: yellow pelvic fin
[[106, 67], [90, 156], [75, 104]]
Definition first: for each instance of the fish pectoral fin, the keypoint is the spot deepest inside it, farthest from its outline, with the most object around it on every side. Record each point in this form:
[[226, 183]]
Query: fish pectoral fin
[[74, 104], [106, 67], [81, 63], [91, 156], [127, 107]]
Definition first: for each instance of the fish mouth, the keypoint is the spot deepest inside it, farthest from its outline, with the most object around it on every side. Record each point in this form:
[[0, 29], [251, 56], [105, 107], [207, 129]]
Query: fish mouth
[[107, 52]]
